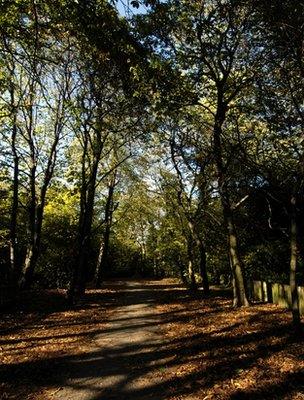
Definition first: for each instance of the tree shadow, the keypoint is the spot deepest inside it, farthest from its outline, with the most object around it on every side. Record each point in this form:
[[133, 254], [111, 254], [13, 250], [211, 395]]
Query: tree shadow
[[150, 367]]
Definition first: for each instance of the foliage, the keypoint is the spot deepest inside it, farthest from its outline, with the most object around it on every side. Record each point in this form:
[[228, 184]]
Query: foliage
[[144, 91]]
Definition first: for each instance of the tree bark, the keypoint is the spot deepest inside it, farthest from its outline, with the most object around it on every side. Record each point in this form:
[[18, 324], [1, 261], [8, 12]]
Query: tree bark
[[103, 257], [14, 267], [31, 251], [203, 267], [202, 259], [191, 273], [241, 298], [87, 199], [182, 270], [104, 247], [296, 319], [30, 262], [36, 211], [78, 282], [35, 230], [99, 273]]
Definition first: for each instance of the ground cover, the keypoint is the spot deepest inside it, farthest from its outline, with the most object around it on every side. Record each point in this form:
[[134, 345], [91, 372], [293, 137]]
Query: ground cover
[[148, 340], [227, 353], [43, 328]]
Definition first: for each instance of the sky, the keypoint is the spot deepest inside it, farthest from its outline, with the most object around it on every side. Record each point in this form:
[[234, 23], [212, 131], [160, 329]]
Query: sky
[[124, 5]]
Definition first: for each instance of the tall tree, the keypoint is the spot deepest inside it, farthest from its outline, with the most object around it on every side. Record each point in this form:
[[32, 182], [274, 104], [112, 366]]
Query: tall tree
[[211, 43], [110, 207], [106, 119]]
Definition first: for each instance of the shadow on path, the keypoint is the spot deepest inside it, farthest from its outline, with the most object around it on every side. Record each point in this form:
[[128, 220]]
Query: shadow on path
[[130, 359]]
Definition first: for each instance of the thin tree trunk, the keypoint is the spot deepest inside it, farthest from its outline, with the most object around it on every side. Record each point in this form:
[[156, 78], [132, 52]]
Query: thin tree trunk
[[241, 298], [87, 200], [29, 266], [32, 251], [71, 292], [104, 247], [203, 260], [296, 319], [31, 256], [203, 267], [99, 271], [235, 297], [193, 285], [182, 270], [143, 259], [36, 211], [191, 273], [33, 248], [14, 267], [84, 243], [155, 267], [103, 257]]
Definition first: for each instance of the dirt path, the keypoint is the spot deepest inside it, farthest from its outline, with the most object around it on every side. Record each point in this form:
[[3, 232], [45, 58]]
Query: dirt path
[[122, 363], [153, 340]]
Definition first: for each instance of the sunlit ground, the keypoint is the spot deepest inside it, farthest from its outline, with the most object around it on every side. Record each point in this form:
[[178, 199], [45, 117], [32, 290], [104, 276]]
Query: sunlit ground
[[149, 340]]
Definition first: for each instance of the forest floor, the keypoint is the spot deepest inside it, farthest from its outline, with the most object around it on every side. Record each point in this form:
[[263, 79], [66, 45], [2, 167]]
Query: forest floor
[[148, 340]]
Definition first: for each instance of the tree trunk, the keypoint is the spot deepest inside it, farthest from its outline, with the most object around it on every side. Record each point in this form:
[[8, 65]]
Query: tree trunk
[[296, 319], [14, 272], [193, 285], [102, 257], [36, 211], [203, 267], [155, 267], [31, 251], [14, 267], [104, 247], [31, 258], [78, 281], [191, 273], [33, 248], [87, 199], [99, 267], [202, 251], [182, 271], [241, 298], [234, 286]]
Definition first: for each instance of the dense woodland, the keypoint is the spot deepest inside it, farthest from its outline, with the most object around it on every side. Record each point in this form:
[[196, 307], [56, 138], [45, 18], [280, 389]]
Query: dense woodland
[[152, 139]]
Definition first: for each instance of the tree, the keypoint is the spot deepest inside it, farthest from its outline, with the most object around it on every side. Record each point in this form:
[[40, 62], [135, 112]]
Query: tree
[[35, 76], [107, 119], [109, 210], [278, 105], [191, 186], [211, 43]]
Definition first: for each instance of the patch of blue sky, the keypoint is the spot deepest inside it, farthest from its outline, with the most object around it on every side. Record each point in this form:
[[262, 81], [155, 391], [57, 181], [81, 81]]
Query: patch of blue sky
[[126, 9]]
